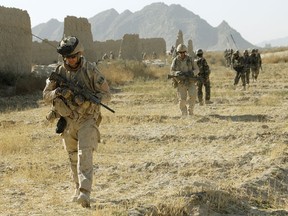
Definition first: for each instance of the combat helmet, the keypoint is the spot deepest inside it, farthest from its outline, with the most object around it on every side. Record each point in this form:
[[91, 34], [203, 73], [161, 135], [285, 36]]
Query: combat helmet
[[245, 52], [69, 46], [181, 48], [199, 52], [236, 53]]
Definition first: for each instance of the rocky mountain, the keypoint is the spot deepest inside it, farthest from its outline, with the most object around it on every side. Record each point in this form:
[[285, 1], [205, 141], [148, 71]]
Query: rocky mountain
[[153, 21]]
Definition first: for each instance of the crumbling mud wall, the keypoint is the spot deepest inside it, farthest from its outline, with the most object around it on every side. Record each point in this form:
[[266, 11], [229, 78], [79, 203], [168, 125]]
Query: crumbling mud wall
[[190, 48], [107, 47], [130, 47], [81, 28], [44, 53], [15, 41], [179, 39], [150, 45]]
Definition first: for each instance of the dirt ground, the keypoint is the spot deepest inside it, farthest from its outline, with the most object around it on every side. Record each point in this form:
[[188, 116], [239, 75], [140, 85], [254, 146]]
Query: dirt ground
[[230, 158]]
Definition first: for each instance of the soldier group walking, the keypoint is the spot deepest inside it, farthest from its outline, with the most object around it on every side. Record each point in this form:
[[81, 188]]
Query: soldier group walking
[[189, 75], [244, 64], [78, 88]]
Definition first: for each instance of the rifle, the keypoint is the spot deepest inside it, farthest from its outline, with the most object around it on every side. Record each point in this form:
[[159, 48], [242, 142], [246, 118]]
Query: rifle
[[183, 77], [87, 94]]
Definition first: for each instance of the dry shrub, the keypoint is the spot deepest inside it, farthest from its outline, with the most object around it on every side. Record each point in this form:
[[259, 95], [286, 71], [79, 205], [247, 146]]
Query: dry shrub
[[7, 78], [273, 50], [21, 83], [160, 72], [215, 58], [28, 83], [274, 59], [122, 72]]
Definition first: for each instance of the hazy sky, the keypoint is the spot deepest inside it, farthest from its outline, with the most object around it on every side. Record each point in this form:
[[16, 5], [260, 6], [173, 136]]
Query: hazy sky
[[255, 20]]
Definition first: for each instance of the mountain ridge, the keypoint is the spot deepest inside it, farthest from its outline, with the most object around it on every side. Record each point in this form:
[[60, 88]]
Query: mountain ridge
[[156, 20]]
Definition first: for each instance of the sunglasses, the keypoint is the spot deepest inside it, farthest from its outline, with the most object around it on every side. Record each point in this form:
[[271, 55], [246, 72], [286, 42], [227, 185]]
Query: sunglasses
[[71, 56]]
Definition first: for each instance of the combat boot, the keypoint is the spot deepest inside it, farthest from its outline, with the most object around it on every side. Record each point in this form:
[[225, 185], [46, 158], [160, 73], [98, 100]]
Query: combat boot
[[76, 193], [75, 196], [84, 198]]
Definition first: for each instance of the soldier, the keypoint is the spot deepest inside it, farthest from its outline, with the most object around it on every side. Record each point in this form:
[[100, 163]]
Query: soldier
[[204, 73], [111, 56], [255, 64], [80, 132], [238, 66], [143, 55], [246, 61], [184, 68], [105, 57], [259, 59], [172, 50], [227, 57]]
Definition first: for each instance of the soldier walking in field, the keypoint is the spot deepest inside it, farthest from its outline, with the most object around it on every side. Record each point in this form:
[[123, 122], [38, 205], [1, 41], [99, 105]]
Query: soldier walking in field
[[204, 73], [78, 115], [246, 61], [184, 70], [238, 66], [255, 63]]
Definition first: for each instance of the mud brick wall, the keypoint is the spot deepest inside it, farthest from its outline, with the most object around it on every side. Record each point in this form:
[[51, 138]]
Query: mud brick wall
[[81, 28], [15, 41]]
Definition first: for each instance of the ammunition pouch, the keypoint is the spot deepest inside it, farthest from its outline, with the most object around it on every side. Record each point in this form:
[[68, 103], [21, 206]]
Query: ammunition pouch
[[61, 108]]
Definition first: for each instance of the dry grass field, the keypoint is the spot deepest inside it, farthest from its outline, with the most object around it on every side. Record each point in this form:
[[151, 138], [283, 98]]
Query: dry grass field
[[230, 158]]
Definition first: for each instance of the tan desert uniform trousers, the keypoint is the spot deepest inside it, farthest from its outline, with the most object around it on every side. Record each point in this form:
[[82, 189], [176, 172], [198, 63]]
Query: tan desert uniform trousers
[[80, 139], [187, 96]]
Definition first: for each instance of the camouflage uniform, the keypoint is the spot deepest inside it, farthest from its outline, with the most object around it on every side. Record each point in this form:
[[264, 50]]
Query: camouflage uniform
[[246, 62], [186, 88], [81, 134], [238, 66], [204, 73], [255, 63], [111, 56], [228, 56]]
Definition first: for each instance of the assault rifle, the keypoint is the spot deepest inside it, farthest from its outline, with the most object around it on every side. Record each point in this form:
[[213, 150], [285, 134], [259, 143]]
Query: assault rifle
[[76, 89], [183, 76]]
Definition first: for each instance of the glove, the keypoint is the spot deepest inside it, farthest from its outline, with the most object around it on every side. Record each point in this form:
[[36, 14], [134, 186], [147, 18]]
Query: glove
[[179, 73], [64, 92], [79, 99]]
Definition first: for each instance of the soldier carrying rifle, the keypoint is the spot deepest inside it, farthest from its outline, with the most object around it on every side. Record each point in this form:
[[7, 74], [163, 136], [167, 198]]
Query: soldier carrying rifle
[[204, 74], [76, 90], [183, 72]]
